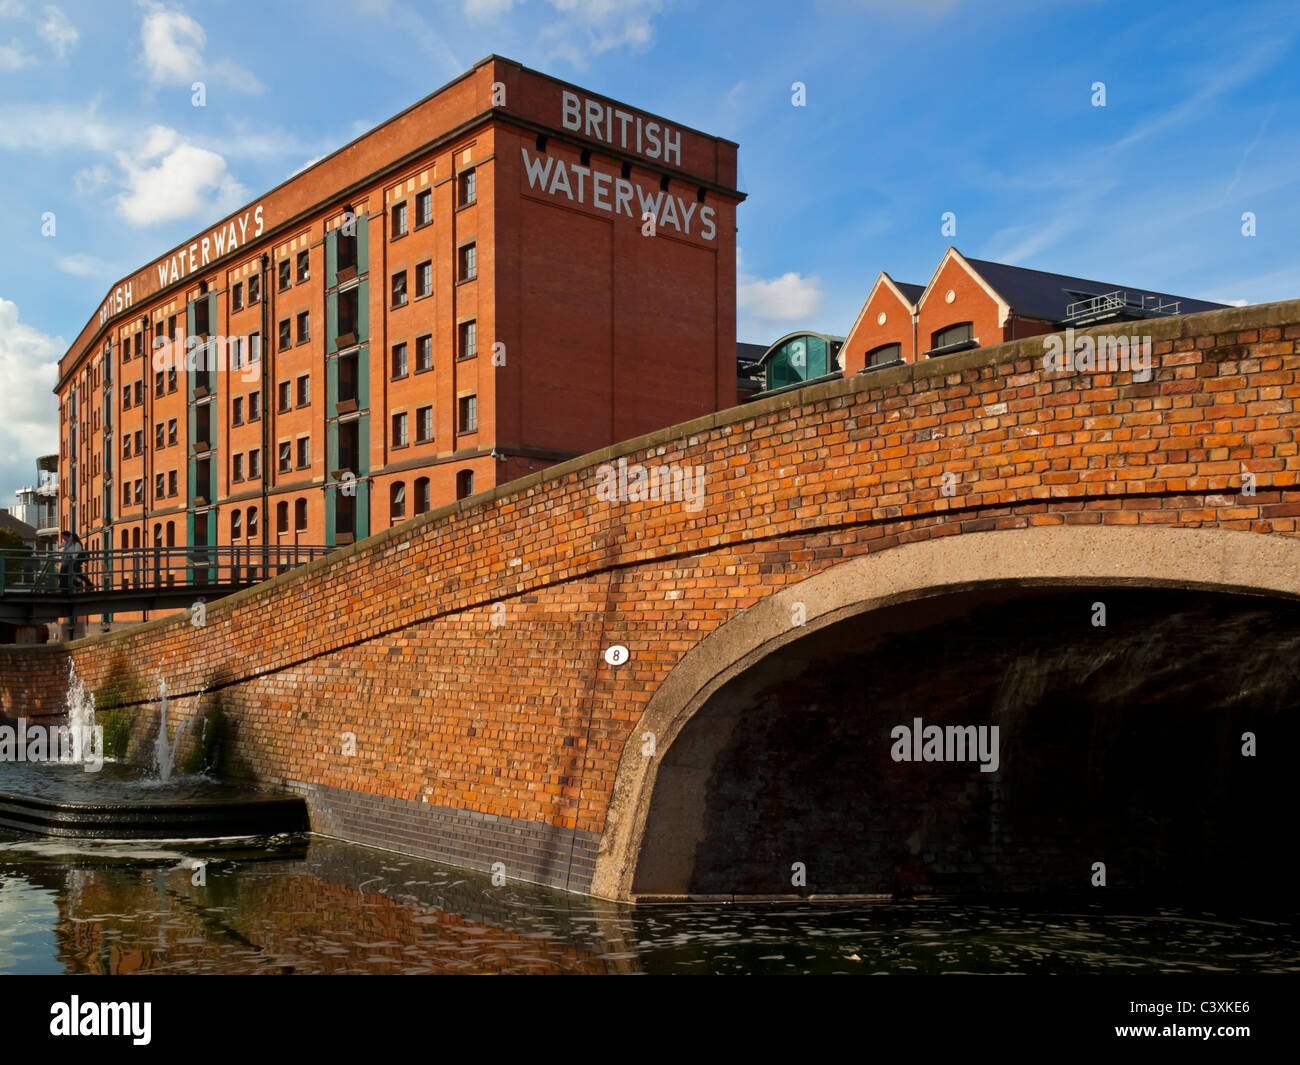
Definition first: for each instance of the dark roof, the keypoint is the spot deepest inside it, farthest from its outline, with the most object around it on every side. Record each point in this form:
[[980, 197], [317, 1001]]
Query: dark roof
[[912, 292], [1039, 294], [749, 353], [24, 531]]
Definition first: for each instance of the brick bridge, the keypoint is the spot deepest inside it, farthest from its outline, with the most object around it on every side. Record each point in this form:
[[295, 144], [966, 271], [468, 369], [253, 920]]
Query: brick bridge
[[863, 553]]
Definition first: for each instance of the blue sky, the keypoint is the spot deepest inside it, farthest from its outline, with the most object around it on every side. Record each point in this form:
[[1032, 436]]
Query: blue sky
[[912, 109]]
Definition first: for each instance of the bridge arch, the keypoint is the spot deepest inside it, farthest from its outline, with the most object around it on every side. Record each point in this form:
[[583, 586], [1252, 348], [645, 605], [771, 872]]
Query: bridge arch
[[1205, 559]]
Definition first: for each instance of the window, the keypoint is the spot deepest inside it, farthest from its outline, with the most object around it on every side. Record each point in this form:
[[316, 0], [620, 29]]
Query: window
[[255, 406], [304, 266], [252, 521], [304, 390], [139, 441], [466, 190], [885, 355], [424, 280], [126, 496], [423, 354], [284, 390], [236, 352], [469, 262], [237, 411], [399, 430], [399, 219], [468, 340], [126, 397], [422, 495], [171, 432], [237, 468], [464, 484], [254, 288], [171, 483], [424, 425], [139, 344], [236, 525], [283, 269], [159, 436], [468, 414], [304, 328], [300, 515], [139, 494], [954, 334], [237, 296], [399, 361], [286, 456], [171, 381], [159, 383], [423, 208], [254, 464], [396, 501], [304, 452], [285, 334], [139, 392], [399, 289], [282, 517], [254, 347], [159, 486]]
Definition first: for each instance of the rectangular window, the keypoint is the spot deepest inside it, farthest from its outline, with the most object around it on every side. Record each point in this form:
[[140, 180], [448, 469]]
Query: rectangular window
[[159, 383], [468, 339], [139, 344], [254, 347], [159, 486], [283, 270], [304, 328], [468, 262], [284, 392], [139, 393], [252, 521], [423, 208], [424, 425], [466, 185], [399, 430], [304, 266], [139, 489], [254, 406], [399, 219], [171, 432], [423, 353], [286, 456], [304, 390], [159, 436], [171, 483], [126, 397], [424, 280], [139, 441], [282, 517], [126, 493], [237, 410], [399, 361], [468, 414], [399, 289], [237, 296], [300, 515], [254, 463], [237, 468], [285, 334], [254, 288], [171, 381], [304, 452]]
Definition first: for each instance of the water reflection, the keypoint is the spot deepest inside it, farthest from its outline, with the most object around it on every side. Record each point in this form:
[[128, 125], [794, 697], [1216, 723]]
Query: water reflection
[[321, 906]]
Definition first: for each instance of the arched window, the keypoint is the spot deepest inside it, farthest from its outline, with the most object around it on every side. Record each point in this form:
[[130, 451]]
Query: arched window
[[236, 525], [464, 484], [422, 495], [252, 522], [884, 355], [397, 501], [282, 516], [950, 338], [171, 534], [300, 515]]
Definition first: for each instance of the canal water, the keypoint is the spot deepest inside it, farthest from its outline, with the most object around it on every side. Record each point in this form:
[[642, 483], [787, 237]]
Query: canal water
[[313, 905]]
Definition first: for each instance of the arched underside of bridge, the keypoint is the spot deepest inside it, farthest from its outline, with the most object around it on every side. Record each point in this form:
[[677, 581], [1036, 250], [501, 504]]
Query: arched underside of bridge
[[1119, 743]]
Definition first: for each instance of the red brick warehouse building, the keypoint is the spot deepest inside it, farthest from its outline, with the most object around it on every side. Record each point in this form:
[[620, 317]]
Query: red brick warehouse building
[[468, 292]]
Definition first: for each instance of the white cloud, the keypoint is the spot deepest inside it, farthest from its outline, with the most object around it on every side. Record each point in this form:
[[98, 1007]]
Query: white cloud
[[58, 30], [485, 9], [170, 178], [28, 411], [82, 265], [90, 178], [12, 9], [12, 56], [174, 43], [788, 298], [582, 29]]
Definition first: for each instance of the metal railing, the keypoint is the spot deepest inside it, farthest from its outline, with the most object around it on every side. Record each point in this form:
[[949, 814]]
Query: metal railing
[[26, 572], [1120, 302]]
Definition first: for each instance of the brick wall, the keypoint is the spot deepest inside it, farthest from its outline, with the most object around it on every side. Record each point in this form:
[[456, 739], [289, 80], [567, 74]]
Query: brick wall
[[463, 650]]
